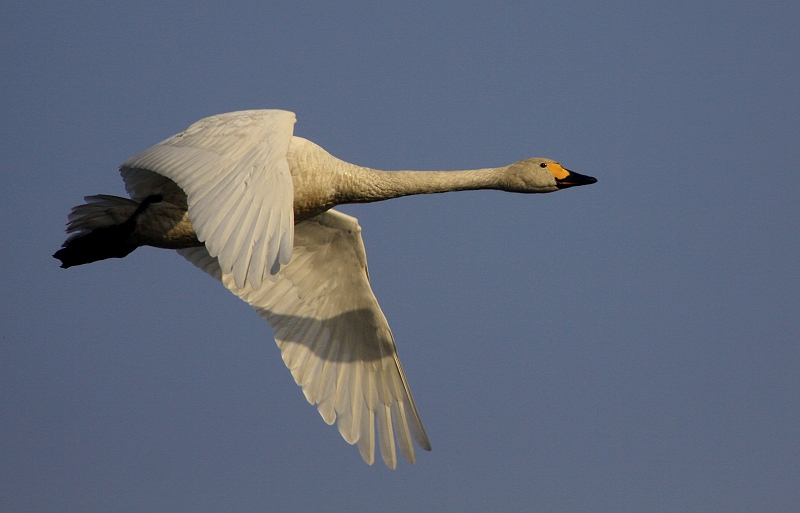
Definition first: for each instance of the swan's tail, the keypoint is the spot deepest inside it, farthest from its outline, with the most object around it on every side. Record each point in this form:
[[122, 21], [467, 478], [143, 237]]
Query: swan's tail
[[100, 229]]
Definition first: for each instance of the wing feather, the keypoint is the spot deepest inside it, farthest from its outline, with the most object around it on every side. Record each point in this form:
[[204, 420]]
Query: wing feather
[[233, 171], [400, 424], [366, 440], [386, 433], [257, 249], [333, 336]]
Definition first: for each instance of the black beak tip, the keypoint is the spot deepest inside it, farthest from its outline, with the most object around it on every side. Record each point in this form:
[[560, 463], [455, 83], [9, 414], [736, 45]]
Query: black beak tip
[[574, 179]]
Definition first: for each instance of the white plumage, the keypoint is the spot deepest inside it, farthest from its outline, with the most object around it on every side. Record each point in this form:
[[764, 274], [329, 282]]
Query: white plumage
[[245, 201], [233, 169], [334, 337]]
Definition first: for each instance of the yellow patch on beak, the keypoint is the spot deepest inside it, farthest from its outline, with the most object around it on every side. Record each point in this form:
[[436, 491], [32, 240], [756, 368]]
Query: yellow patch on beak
[[559, 172]]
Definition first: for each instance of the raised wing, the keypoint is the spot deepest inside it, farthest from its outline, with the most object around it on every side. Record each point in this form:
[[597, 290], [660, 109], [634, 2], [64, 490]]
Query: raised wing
[[233, 170], [334, 337]]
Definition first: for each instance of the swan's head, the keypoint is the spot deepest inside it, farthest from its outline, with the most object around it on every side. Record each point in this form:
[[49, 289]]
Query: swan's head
[[541, 175]]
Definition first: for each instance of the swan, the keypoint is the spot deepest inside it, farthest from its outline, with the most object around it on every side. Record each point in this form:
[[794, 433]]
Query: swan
[[249, 203]]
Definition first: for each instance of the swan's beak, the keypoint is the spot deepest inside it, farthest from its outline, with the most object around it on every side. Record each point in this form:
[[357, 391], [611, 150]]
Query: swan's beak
[[573, 179]]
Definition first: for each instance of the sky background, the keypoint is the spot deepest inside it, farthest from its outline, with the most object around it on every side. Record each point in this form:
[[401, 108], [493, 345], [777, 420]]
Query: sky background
[[626, 346]]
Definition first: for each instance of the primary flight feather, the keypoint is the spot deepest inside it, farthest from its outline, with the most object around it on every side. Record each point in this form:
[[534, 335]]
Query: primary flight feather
[[247, 202]]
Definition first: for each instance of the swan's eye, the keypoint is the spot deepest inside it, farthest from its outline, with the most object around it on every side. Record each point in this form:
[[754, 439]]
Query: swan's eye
[[543, 164]]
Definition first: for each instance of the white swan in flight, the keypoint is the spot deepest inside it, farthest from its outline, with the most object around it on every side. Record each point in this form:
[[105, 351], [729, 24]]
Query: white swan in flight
[[250, 204]]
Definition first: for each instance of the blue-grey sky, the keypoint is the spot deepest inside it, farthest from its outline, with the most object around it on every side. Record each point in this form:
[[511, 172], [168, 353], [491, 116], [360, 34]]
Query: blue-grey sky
[[626, 346]]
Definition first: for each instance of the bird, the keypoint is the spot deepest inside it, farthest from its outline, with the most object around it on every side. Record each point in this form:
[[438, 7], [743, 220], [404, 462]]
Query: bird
[[251, 204]]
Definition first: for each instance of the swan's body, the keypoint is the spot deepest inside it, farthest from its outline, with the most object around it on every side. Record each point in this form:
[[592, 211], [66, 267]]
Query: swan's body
[[243, 199]]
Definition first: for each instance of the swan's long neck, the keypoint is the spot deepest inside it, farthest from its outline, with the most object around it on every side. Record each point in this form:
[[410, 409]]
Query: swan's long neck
[[322, 181], [363, 185]]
